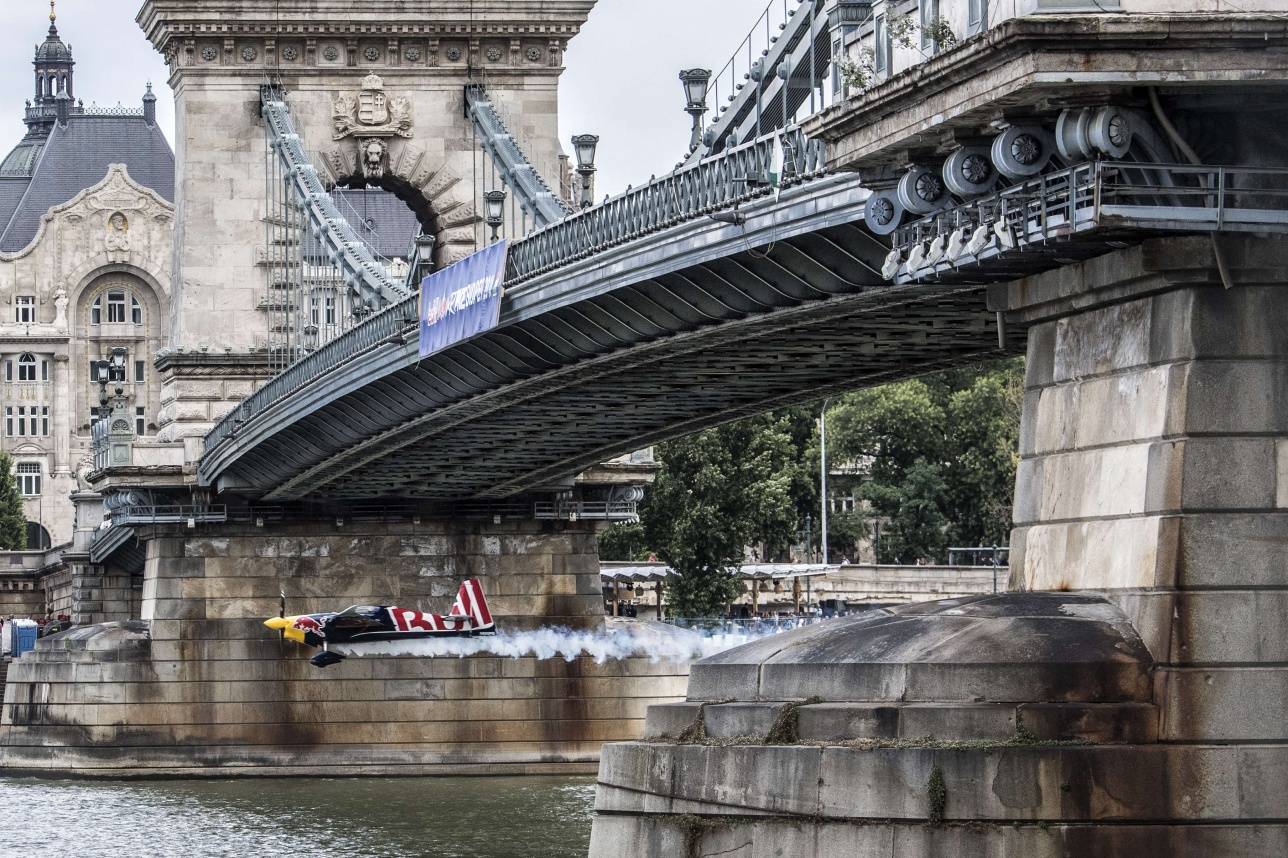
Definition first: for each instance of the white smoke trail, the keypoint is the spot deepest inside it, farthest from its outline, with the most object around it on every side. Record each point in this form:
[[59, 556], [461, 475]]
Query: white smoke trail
[[656, 641]]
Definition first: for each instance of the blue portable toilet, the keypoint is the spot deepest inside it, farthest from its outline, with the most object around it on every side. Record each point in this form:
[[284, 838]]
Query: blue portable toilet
[[22, 636]]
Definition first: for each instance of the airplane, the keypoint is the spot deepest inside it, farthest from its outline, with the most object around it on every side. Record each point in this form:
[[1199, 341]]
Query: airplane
[[360, 624]]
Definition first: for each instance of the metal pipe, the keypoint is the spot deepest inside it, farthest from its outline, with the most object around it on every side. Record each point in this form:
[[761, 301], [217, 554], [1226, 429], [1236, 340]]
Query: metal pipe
[[822, 473]]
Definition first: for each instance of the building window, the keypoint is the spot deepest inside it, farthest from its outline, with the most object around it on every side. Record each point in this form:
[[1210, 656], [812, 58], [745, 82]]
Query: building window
[[881, 36], [140, 421], [117, 301], [24, 309], [29, 478], [330, 309], [8, 370], [139, 372], [44, 369], [976, 17], [115, 307], [27, 367], [929, 10], [21, 421]]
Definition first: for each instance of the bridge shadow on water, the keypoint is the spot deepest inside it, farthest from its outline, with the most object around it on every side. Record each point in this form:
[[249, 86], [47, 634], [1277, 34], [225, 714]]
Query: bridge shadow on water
[[357, 818]]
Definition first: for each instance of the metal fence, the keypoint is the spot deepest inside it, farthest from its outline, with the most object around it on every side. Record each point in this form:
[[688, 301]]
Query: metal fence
[[717, 184]]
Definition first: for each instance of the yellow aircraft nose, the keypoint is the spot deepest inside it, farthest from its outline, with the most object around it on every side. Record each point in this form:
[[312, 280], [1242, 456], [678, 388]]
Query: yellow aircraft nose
[[285, 625]]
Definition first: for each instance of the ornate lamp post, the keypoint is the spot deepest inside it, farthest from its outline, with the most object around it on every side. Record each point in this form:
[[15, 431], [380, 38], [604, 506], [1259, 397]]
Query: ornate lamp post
[[696, 83], [495, 210], [585, 147]]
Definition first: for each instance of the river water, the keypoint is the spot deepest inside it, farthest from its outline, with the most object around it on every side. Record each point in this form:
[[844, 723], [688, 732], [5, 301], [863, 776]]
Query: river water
[[532, 817]]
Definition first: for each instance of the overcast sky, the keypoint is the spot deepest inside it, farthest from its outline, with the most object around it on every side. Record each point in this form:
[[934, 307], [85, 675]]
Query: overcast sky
[[621, 81]]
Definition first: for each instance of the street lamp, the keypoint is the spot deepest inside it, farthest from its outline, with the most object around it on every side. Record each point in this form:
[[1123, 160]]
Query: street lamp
[[585, 146], [696, 83], [495, 209]]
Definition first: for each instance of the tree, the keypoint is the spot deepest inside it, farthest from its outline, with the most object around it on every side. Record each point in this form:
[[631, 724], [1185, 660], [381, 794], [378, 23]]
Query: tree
[[13, 521], [940, 453], [716, 492], [623, 542], [980, 475]]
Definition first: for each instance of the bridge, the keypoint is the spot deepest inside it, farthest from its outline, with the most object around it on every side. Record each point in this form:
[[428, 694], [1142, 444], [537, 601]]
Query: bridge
[[755, 276], [1102, 187]]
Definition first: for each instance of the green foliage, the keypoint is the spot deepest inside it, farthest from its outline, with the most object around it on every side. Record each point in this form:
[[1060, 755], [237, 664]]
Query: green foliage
[[941, 454], [13, 522], [717, 491], [623, 542], [937, 457]]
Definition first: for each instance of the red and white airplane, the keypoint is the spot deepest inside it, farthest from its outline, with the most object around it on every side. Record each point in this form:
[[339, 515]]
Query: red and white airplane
[[361, 624]]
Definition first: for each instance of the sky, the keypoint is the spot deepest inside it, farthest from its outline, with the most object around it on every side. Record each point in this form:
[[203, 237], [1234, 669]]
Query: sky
[[622, 80]]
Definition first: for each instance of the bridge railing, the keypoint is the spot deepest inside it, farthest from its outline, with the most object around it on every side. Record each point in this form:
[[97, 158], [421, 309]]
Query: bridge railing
[[719, 183], [734, 177], [387, 325]]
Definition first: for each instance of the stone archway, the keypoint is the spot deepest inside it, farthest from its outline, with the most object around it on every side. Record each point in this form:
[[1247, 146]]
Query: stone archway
[[440, 199]]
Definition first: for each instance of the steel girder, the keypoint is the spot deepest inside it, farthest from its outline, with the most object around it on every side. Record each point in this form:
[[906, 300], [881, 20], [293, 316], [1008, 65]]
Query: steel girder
[[659, 340]]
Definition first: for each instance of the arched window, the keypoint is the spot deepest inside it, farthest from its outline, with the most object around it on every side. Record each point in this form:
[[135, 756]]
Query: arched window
[[113, 305], [27, 367], [37, 537]]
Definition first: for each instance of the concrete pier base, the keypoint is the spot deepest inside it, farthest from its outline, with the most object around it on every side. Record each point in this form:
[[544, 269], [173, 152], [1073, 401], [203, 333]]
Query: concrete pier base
[[1153, 484], [199, 687]]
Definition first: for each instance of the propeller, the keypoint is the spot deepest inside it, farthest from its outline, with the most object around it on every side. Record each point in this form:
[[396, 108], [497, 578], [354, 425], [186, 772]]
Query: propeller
[[281, 614]]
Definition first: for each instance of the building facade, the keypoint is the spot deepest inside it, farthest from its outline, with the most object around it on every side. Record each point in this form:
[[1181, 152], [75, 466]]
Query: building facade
[[86, 237]]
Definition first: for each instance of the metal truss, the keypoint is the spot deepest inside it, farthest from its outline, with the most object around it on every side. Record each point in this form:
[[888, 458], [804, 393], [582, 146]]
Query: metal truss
[[598, 362], [323, 278], [689, 196], [776, 71], [517, 172]]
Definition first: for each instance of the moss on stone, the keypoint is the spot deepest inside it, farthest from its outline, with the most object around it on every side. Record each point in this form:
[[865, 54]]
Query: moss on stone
[[936, 796]]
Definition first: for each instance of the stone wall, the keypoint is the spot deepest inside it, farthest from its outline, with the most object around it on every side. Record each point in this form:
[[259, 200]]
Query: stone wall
[[201, 687], [1153, 481], [21, 597]]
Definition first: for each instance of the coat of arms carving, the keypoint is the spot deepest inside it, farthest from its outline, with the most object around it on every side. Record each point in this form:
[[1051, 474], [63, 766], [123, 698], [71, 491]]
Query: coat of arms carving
[[371, 112]]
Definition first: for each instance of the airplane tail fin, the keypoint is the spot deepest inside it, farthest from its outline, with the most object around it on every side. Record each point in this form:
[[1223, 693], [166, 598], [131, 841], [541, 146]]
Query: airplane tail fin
[[471, 603]]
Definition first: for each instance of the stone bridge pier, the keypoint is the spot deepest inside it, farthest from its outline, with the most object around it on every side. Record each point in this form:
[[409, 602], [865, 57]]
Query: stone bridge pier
[[200, 687], [1128, 701]]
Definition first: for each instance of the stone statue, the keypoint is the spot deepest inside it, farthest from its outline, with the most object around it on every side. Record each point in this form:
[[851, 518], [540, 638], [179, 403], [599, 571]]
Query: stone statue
[[373, 158], [117, 241], [60, 310], [84, 468]]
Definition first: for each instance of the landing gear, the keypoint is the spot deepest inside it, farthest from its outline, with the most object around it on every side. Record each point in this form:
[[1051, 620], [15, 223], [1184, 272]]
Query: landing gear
[[325, 658]]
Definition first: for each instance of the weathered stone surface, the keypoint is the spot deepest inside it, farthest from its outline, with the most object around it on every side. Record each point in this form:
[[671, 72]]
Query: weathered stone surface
[[203, 688], [1007, 648]]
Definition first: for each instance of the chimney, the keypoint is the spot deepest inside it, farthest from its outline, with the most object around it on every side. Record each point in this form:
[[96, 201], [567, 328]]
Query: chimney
[[149, 106], [63, 107]]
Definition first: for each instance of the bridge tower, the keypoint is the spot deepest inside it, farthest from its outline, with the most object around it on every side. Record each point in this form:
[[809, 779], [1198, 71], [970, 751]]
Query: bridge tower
[[377, 94], [377, 97]]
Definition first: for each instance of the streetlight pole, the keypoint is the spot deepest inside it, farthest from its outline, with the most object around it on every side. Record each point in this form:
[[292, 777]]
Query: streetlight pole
[[822, 472]]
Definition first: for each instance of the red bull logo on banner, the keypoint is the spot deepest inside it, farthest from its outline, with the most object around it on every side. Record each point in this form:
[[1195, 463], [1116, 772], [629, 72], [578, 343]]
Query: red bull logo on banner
[[462, 300]]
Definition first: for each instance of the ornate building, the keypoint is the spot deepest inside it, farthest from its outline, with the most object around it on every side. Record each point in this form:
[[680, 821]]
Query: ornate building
[[86, 237]]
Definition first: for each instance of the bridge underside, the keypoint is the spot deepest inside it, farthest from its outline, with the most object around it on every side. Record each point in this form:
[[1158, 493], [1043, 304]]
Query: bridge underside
[[533, 403]]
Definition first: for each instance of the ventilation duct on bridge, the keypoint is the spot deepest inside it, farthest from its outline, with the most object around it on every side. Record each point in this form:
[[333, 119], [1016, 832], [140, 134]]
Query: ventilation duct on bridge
[[531, 193]]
